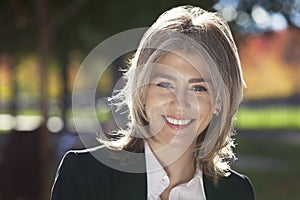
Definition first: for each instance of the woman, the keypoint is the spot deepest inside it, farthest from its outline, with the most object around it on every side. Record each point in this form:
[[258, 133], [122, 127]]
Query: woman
[[183, 88]]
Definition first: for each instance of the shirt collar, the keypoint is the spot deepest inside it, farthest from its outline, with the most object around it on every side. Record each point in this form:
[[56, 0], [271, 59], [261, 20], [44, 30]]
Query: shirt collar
[[158, 180]]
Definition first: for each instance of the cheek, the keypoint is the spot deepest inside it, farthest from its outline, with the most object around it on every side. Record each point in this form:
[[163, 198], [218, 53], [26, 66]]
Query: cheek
[[154, 105], [154, 111], [204, 110], [155, 102], [203, 104]]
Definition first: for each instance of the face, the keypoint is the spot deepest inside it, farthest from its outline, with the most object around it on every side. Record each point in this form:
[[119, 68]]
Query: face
[[178, 102]]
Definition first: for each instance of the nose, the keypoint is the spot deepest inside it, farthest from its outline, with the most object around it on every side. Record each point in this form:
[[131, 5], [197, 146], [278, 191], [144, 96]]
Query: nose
[[181, 99]]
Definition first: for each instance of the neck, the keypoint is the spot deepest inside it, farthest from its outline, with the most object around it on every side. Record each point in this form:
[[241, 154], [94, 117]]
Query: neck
[[178, 163], [182, 170]]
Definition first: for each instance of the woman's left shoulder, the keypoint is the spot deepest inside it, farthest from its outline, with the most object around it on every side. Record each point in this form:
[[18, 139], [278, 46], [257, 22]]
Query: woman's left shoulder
[[237, 178], [235, 186], [239, 184]]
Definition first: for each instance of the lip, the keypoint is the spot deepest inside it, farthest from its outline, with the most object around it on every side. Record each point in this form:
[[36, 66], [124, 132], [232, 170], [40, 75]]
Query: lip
[[179, 122]]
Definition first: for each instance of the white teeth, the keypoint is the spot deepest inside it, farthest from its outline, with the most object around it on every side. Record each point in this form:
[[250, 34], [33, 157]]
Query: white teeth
[[178, 121]]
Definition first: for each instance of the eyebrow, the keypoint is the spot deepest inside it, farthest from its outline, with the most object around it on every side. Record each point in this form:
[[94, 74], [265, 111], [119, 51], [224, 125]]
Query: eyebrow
[[170, 77], [167, 76], [196, 80]]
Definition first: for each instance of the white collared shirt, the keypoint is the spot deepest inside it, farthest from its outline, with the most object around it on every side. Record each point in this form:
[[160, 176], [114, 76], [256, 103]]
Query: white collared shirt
[[158, 181]]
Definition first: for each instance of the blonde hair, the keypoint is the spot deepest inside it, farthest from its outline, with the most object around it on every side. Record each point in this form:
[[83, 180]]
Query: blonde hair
[[188, 29]]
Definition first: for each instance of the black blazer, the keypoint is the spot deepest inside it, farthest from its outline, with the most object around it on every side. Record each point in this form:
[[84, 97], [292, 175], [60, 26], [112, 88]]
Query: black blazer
[[81, 176]]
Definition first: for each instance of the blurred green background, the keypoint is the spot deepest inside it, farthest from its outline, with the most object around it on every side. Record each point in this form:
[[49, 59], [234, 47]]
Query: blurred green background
[[43, 43]]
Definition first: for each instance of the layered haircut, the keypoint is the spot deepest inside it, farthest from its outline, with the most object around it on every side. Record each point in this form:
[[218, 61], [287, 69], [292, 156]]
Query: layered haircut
[[187, 30]]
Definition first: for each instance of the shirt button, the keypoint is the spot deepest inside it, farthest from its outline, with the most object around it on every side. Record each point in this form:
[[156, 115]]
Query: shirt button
[[164, 178]]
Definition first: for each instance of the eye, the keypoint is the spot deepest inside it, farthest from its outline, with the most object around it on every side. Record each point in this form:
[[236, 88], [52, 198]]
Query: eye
[[164, 85], [198, 88]]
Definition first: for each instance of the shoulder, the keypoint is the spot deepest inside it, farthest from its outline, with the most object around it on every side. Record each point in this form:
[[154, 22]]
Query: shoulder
[[236, 179], [234, 186], [76, 163], [238, 185], [81, 154], [79, 173], [77, 156], [85, 159]]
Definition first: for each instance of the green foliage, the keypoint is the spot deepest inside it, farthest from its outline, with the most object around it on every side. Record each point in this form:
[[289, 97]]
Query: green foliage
[[284, 117]]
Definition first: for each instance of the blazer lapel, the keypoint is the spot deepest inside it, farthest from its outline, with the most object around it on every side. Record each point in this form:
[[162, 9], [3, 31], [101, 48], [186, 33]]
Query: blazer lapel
[[209, 188], [134, 186], [131, 185]]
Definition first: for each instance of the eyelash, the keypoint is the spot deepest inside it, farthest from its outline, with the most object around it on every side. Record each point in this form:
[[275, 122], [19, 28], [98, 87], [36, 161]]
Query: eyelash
[[196, 88], [164, 85]]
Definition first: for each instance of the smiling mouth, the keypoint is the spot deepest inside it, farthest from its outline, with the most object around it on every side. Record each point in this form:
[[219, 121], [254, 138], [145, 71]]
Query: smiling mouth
[[177, 123]]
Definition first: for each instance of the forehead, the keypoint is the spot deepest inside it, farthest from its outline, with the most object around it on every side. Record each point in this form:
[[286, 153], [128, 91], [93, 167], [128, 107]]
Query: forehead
[[187, 64]]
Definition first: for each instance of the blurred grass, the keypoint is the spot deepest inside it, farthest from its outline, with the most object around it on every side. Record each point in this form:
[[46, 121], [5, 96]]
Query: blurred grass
[[283, 117], [272, 117], [275, 182]]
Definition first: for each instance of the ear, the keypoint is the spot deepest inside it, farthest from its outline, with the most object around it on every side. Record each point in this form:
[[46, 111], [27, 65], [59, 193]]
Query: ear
[[217, 108]]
